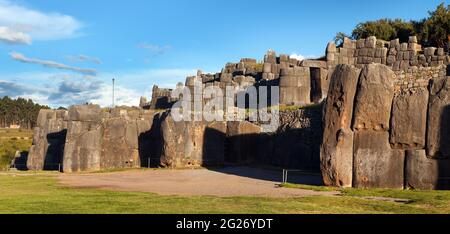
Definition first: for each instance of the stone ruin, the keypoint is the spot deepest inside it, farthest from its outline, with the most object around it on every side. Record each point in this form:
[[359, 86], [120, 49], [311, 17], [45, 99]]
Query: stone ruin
[[48, 140], [161, 99], [381, 135], [375, 115], [88, 138]]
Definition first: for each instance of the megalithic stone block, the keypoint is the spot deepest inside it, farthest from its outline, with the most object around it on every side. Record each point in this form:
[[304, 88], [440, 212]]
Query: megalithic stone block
[[374, 98], [82, 151], [376, 165], [438, 140], [89, 113], [409, 120], [48, 140], [425, 173], [337, 149]]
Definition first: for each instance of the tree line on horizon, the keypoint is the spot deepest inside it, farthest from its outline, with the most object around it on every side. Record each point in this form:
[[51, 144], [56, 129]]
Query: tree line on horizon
[[20, 111], [431, 31]]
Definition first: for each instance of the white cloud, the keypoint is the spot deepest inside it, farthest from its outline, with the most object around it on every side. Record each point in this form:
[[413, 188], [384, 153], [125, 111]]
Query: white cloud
[[297, 56], [123, 96], [46, 63], [84, 58], [149, 77], [11, 36], [64, 89], [35, 24], [154, 48], [302, 57]]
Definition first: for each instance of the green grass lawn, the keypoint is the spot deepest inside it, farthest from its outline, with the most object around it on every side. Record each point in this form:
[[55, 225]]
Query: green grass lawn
[[18, 133], [40, 193]]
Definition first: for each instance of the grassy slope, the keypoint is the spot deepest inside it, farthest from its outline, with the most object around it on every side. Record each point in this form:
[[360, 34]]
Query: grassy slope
[[40, 193], [432, 201], [12, 140]]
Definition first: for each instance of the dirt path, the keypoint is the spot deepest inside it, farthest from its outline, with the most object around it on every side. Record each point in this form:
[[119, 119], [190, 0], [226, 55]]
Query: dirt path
[[235, 181]]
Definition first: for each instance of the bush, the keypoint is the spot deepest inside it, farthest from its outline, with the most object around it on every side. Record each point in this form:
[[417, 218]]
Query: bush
[[6, 159]]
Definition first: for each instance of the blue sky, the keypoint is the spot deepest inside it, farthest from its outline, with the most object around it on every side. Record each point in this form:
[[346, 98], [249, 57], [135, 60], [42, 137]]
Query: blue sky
[[66, 52]]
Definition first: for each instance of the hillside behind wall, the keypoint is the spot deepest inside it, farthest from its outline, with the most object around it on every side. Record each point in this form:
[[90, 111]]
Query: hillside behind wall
[[379, 133]]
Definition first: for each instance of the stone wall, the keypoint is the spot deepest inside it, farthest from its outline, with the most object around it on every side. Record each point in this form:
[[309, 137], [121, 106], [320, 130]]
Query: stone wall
[[386, 124], [307, 81], [161, 99], [191, 144], [88, 138], [406, 56], [301, 82], [48, 140], [378, 134], [296, 144]]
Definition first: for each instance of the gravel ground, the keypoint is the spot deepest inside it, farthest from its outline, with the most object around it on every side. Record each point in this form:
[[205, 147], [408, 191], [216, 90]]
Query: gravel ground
[[226, 182]]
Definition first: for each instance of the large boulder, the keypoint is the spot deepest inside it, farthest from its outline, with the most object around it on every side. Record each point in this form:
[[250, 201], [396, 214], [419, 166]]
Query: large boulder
[[409, 120], [438, 140], [425, 173], [337, 147], [374, 98], [376, 165]]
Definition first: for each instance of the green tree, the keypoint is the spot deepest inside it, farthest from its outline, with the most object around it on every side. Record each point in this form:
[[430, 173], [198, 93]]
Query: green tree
[[436, 29], [19, 111], [384, 29], [431, 31]]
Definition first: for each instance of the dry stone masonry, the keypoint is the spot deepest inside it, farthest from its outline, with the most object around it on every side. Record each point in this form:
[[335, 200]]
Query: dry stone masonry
[[88, 138], [48, 140], [387, 141], [369, 114]]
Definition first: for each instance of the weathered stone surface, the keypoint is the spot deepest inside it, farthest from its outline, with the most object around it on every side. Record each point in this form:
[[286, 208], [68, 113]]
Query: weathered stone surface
[[89, 113], [374, 98], [412, 39], [371, 42], [114, 141], [48, 140], [331, 47], [119, 144], [295, 87], [376, 165], [425, 173], [82, 151], [337, 146], [190, 144], [295, 96], [409, 120], [296, 143], [438, 141], [242, 137], [314, 63]]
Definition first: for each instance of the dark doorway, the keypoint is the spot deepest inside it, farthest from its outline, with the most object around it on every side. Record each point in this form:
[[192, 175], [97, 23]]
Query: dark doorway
[[55, 152], [316, 86]]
